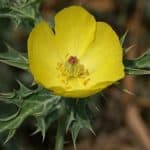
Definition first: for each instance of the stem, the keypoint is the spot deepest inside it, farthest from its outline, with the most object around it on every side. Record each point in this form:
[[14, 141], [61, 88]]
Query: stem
[[60, 134]]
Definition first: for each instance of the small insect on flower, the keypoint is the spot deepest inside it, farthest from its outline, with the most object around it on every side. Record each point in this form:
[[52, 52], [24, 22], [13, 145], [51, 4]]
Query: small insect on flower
[[80, 59]]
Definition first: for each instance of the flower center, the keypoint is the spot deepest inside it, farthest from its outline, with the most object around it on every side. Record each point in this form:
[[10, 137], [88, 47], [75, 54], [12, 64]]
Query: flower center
[[73, 60], [72, 69]]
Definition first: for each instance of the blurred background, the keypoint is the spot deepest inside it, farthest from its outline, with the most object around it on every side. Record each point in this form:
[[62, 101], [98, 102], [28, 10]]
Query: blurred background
[[123, 119]]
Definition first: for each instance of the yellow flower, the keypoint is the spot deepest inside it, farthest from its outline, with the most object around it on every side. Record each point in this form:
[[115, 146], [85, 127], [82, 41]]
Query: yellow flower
[[78, 58]]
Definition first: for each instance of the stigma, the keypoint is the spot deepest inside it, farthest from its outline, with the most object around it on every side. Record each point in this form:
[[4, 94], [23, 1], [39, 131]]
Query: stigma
[[72, 60]]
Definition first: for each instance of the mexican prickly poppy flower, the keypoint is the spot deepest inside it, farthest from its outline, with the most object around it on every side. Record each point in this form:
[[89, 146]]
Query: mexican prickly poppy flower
[[78, 58]]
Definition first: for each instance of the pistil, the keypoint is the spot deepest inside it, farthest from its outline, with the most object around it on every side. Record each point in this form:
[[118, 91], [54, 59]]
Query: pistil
[[72, 69], [72, 60]]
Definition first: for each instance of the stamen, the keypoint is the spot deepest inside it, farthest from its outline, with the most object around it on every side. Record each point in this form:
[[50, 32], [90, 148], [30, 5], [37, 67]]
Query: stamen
[[72, 69], [86, 81]]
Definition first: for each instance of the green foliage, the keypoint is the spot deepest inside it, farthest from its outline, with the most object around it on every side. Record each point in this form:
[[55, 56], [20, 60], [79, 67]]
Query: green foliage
[[38, 103], [138, 66], [78, 117], [20, 11], [45, 107], [14, 58], [122, 39]]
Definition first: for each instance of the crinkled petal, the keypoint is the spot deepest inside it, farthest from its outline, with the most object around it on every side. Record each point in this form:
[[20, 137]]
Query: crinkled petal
[[103, 58], [43, 55], [74, 29]]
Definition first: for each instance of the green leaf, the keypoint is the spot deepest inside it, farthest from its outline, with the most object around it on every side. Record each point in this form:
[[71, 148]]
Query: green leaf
[[126, 50], [24, 91], [10, 117], [10, 135], [52, 116], [79, 123], [10, 98], [37, 104], [75, 128], [70, 119], [4, 3], [16, 97], [20, 11], [134, 71], [78, 118], [144, 60], [41, 126], [14, 58], [122, 39], [7, 95], [118, 85], [138, 66]]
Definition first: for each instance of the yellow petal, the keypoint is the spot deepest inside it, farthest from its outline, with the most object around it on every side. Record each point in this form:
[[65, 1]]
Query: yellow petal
[[80, 93], [74, 28], [43, 56], [103, 58], [76, 33]]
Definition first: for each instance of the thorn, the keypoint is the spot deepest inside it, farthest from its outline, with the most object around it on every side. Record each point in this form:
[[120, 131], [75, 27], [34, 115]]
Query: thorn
[[129, 48]]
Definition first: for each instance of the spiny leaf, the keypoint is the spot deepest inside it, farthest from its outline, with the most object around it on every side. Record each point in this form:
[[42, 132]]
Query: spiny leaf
[[75, 128], [132, 71], [138, 66], [117, 84], [7, 95], [4, 3], [122, 39], [41, 126], [28, 109], [20, 11], [10, 135], [16, 97], [31, 105], [10, 98], [13, 63], [52, 116], [70, 119], [14, 58], [144, 60], [10, 117], [126, 50], [47, 108], [23, 90], [78, 118]]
